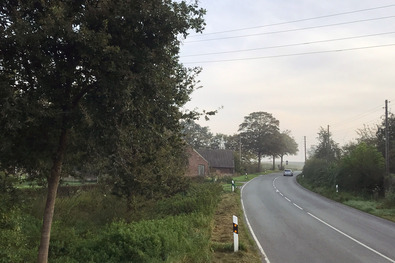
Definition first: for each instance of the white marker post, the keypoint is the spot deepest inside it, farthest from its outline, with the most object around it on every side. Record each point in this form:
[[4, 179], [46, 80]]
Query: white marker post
[[233, 186], [337, 188], [235, 234]]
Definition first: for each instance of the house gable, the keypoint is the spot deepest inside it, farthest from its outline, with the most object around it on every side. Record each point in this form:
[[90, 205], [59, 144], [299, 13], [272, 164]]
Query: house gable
[[197, 164]]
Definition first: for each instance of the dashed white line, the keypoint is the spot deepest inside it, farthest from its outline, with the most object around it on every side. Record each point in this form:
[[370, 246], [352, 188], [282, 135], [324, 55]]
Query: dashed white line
[[298, 206], [353, 239], [334, 228]]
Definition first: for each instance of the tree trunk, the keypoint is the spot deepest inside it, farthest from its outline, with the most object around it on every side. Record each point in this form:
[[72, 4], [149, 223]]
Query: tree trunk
[[53, 183], [274, 162], [259, 162], [281, 162]]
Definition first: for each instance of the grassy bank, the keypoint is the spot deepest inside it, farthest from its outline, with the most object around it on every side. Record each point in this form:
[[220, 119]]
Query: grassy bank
[[222, 235], [384, 208], [92, 225]]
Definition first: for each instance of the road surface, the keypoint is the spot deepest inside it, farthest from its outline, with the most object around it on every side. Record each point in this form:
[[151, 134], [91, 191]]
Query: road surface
[[291, 224]]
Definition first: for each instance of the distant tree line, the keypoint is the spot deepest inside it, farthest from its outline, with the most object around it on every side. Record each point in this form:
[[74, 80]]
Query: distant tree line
[[259, 136]]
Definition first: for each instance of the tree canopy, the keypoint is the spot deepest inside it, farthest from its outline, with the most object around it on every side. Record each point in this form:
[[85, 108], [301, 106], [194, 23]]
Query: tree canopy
[[90, 80], [327, 148], [362, 169], [259, 133], [287, 145]]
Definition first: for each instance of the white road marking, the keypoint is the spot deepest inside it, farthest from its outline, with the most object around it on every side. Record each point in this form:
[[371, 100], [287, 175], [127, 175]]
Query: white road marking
[[337, 230], [249, 225], [298, 206], [353, 239]]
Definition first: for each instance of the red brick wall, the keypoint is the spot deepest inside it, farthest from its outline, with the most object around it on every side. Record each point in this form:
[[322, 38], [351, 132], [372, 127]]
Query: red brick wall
[[195, 160]]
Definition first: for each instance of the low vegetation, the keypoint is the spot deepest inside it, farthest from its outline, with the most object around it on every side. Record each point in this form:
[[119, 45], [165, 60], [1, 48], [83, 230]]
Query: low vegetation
[[93, 225], [358, 170], [383, 207]]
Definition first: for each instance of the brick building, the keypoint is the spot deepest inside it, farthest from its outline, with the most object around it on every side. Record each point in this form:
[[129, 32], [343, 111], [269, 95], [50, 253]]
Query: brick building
[[220, 161], [198, 165]]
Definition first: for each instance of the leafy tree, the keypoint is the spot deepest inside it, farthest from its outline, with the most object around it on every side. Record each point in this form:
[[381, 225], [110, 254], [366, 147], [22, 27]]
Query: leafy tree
[[232, 142], [362, 170], [320, 172], [321, 168], [367, 135], [288, 146], [196, 135], [380, 134], [259, 133], [327, 148], [79, 78]]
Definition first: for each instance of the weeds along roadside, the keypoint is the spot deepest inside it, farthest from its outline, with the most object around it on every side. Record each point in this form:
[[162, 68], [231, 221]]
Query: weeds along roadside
[[92, 226], [384, 208], [222, 235]]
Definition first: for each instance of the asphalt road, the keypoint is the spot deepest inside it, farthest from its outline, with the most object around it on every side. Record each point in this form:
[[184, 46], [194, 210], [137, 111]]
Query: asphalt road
[[291, 224]]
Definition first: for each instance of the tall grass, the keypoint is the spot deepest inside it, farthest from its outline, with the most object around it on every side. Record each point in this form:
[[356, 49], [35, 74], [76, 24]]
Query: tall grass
[[381, 207], [93, 226]]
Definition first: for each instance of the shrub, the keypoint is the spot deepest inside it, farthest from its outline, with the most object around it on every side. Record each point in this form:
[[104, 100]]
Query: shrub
[[174, 238], [389, 201], [17, 232], [362, 170], [319, 172], [201, 198]]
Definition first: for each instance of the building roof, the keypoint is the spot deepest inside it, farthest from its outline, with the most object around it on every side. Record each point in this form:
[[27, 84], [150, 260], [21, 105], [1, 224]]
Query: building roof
[[218, 158]]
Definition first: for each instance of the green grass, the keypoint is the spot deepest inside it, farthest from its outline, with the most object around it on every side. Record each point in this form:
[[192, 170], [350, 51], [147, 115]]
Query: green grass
[[91, 225], [26, 184], [378, 207], [240, 180]]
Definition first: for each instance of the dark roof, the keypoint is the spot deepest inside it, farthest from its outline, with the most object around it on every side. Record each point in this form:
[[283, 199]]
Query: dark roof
[[218, 158]]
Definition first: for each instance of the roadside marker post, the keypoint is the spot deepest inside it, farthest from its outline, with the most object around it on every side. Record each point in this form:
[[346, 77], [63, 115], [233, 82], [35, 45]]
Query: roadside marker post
[[337, 188], [233, 186], [235, 234]]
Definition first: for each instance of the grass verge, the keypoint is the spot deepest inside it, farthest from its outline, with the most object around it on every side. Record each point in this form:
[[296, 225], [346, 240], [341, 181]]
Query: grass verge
[[372, 206], [221, 242]]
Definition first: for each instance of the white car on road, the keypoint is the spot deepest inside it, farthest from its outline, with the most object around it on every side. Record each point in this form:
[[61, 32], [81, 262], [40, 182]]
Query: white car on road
[[288, 172]]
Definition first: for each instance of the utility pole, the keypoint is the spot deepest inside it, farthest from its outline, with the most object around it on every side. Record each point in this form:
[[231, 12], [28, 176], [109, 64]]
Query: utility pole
[[305, 158], [240, 151], [387, 159], [328, 146]]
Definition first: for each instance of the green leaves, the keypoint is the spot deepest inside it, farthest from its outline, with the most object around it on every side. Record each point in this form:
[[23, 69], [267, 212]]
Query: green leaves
[[259, 133], [362, 169], [96, 82]]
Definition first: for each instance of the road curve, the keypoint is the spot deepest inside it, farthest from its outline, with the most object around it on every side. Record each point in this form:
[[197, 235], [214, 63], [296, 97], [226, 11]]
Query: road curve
[[291, 224]]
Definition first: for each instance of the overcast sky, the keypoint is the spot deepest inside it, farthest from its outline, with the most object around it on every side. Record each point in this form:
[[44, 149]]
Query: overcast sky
[[309, 63]]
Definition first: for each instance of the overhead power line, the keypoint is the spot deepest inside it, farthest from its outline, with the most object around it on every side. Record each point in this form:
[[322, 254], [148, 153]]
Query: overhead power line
[[290, 30], [357, 117], [290, 55], [293, 21], [288, 45]]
